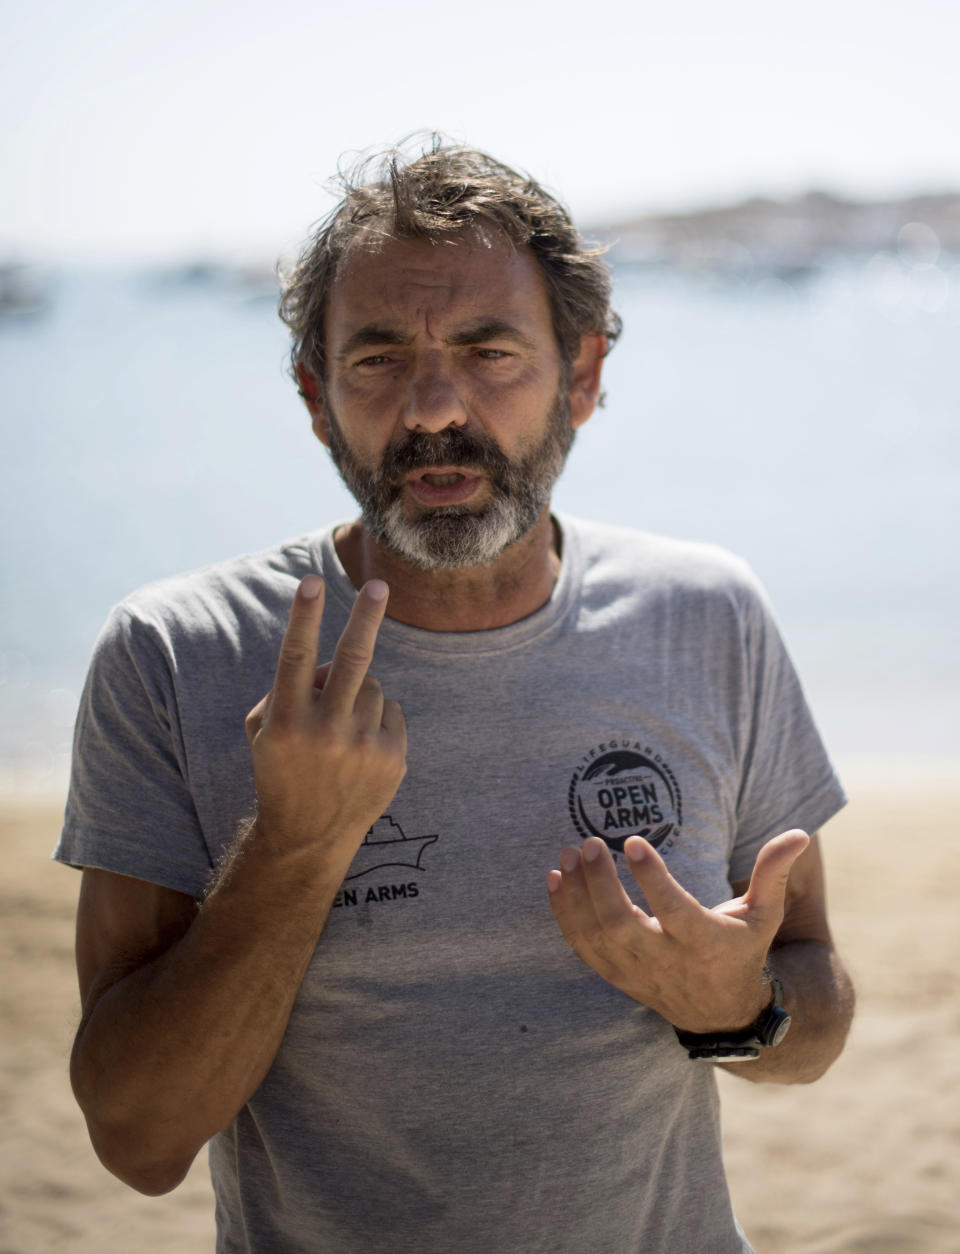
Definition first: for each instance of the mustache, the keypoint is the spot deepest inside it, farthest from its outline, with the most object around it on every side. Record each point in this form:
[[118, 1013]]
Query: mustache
[[452, 446]]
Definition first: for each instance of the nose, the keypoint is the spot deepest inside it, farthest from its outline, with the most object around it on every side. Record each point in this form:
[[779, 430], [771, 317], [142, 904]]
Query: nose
[[434, 402]]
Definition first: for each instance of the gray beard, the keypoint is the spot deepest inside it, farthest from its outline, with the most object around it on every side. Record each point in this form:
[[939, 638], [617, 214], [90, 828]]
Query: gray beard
[[453, 536]]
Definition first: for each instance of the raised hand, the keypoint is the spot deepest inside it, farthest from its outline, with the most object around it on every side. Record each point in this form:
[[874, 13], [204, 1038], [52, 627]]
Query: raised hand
[[328, 750], [700, 969]]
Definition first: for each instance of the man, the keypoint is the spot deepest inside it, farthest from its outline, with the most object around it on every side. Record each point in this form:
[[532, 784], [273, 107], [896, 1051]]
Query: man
[[326, 946]]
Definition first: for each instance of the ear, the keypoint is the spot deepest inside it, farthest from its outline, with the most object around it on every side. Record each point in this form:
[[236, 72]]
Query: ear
[[312, 394], [585, 378]]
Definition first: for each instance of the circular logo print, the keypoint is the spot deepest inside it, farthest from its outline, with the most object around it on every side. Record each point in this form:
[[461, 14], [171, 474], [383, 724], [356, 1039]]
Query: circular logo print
[[624, 789]]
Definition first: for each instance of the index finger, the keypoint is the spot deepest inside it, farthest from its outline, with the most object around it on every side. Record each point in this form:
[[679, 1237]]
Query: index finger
[[674, 908], [354, 651], [297, 663]]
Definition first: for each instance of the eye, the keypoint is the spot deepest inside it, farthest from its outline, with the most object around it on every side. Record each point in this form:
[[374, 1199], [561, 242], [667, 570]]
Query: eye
[[491, 354], [376, 359]]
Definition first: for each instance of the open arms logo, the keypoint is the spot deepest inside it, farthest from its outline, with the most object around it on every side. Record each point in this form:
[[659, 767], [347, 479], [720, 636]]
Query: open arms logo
[[624, 788]]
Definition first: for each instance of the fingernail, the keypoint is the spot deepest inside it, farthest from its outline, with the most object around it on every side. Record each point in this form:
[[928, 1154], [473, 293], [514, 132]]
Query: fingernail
[[591, 851], [377, 590], [636, 849], [553, 881], [569, 860], [310, 587]]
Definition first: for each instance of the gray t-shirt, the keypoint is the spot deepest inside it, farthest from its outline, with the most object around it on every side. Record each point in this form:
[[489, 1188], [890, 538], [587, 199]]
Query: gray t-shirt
[[453, 1077]]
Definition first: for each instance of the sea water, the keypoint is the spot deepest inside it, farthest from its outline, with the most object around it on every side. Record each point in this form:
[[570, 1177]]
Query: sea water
[[149, 426]]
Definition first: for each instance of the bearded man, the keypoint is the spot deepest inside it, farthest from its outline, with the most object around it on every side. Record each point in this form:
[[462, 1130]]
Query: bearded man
[[325, 945]]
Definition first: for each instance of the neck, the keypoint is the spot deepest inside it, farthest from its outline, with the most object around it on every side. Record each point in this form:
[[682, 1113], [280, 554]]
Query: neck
[[471, 598]]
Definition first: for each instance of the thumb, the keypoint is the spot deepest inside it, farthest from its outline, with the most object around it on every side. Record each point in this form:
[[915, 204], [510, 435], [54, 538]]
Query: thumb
[[768, 883]]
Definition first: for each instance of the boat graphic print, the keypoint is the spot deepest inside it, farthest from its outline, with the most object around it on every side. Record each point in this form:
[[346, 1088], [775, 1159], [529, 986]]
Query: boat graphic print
[[386, 844]]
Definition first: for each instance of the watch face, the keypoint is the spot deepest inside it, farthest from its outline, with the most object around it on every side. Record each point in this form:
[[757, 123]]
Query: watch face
[[776, 1029]]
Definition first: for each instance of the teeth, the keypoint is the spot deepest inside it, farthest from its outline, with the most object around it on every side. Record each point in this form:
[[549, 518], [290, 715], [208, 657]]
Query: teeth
[[442, 481]]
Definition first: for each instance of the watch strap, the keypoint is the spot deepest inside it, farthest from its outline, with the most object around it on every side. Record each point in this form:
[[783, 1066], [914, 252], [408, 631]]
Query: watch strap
[[767, 1031]]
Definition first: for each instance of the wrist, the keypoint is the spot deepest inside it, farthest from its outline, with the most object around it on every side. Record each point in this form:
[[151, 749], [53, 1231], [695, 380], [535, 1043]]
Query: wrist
[[766, 1031], [734, 1012], [763, 995], [271, 862]]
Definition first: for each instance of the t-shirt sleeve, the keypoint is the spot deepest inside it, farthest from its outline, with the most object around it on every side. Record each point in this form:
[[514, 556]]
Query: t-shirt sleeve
[[787, 779], [129, 807]]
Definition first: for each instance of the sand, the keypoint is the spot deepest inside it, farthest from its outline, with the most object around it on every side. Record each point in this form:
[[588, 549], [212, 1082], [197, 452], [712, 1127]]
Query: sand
[[867, 1160]]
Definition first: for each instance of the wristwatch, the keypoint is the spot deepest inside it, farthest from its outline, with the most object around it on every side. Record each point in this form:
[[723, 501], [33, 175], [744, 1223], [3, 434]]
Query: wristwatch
[[766, 1032]]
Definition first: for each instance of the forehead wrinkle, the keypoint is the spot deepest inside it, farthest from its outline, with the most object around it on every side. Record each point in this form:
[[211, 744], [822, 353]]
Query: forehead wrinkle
[[405, 294]]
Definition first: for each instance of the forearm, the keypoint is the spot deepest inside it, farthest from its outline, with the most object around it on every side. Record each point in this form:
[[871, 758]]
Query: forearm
[[820, 998], [184, 1011], [168, 1054]]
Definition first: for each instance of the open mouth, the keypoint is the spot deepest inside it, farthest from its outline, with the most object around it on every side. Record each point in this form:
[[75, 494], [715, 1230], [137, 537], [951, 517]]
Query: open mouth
[[443, 481], [443, 486]]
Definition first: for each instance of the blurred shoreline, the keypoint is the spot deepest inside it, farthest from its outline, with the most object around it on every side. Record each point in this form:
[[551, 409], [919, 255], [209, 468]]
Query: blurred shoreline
[[760, 236], [793, 238]]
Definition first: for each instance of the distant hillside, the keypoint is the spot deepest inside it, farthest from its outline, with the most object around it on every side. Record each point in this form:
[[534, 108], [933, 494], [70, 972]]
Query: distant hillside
[[798, 234]]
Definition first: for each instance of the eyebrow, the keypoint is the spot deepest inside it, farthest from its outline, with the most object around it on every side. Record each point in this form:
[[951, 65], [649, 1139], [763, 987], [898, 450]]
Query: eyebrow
[[482, 332], [370, 336], [491, 329]]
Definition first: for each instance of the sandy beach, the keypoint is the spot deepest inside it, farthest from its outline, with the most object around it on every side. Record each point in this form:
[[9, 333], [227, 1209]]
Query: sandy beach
[[865, 1161]]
